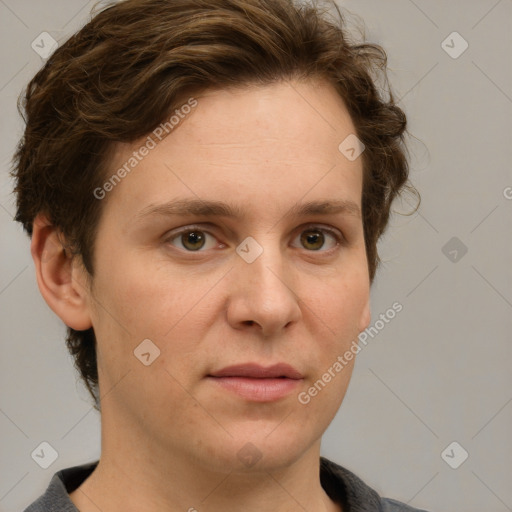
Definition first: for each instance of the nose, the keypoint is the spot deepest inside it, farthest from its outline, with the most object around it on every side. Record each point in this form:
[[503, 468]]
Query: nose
[[262, 296]]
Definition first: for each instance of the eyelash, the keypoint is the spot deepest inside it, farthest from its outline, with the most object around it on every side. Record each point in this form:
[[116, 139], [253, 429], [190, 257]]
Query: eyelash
[[339, 238]]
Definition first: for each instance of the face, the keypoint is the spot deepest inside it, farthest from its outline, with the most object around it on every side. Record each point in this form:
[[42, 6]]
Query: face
[[262, 281]]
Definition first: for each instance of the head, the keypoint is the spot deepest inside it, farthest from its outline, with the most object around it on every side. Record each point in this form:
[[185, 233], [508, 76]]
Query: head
[[240, 102]]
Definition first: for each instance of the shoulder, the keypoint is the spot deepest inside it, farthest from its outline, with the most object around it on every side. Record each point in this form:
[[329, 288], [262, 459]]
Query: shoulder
[[56, 497], [389, 505], [345, 487]]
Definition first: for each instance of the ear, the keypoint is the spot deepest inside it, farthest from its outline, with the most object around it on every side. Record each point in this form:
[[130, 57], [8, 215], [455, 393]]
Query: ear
[[60, 276], [365, 316]]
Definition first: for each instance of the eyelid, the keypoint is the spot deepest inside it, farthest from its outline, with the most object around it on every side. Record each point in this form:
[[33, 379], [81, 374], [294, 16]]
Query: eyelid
[[185, 229], [336, 233]]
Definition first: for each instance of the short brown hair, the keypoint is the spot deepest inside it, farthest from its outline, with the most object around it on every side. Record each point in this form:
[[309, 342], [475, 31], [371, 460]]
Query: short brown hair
[[117, 78]]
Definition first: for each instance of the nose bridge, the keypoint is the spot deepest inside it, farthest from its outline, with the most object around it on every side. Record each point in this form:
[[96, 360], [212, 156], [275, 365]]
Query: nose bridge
[[264, 293], [263, 264]]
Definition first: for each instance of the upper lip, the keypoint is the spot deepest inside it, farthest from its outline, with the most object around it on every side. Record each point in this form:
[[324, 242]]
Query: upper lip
[[259, 372]]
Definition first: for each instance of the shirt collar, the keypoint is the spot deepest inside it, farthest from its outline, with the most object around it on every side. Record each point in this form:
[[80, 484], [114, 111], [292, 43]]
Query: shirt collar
[[341, 485]]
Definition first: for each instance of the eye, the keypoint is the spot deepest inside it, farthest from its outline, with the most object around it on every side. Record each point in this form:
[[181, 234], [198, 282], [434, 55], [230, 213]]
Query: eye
[[314, 238], [191, 239]]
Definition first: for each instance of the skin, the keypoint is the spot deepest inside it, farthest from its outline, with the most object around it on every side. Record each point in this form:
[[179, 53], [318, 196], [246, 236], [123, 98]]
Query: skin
[[170, 436]]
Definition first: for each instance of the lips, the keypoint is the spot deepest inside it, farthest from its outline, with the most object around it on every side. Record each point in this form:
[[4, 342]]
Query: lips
[[255, 371], [255, 383]]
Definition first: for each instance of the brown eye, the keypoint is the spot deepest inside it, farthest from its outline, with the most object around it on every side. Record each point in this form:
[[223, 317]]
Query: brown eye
[[322, 240], [312, 239], [192, 240]]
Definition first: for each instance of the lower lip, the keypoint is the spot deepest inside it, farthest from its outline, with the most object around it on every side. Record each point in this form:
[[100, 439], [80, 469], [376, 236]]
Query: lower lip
[[258, 390]]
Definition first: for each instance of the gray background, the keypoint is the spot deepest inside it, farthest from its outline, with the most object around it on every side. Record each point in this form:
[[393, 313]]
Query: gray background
[[438, 372]]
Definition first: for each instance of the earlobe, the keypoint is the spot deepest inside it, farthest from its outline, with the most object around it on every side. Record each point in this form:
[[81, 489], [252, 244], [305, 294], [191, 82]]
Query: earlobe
[[59, 276]]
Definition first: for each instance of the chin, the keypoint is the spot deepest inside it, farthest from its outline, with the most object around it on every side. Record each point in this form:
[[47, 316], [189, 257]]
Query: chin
[[255, 450]]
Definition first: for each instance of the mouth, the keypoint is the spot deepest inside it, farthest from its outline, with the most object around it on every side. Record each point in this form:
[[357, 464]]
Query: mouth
[[258, 383], [256, 371]]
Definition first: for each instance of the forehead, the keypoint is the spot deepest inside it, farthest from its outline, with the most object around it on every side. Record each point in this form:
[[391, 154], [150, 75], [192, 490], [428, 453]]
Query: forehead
[[284, 110], [254, 143]]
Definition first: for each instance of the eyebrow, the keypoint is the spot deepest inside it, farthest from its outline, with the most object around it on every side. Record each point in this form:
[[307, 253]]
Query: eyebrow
[[206, 208]]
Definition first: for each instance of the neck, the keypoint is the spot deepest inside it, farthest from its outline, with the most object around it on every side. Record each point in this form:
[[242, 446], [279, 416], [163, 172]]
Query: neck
[[141, 470], [133, 480]]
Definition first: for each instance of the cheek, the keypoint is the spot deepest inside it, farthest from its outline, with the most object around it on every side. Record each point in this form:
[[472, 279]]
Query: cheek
[[339, 304], [137, 305], [147, 300], [321, 398], [142, 302]]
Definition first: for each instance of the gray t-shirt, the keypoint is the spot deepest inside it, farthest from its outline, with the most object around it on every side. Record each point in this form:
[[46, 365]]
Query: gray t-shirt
[[341, 485]]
